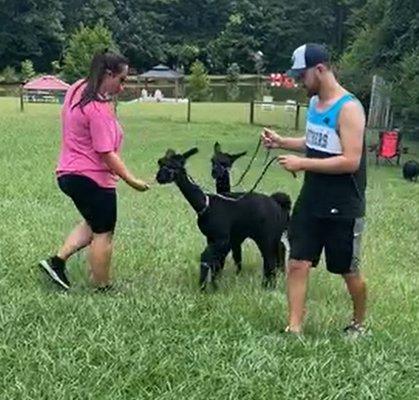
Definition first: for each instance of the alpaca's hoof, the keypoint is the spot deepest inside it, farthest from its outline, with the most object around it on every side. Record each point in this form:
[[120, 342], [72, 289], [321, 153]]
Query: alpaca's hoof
[[207, 276], [203, 285]]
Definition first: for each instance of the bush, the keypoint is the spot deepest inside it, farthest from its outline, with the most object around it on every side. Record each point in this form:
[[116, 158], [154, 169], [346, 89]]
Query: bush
[[27, 70], [199, 88], [83, 45], [232, 78], [9, 75]]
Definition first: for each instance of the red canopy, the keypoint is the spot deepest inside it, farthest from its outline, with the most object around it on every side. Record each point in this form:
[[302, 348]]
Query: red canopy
[[47, 82]]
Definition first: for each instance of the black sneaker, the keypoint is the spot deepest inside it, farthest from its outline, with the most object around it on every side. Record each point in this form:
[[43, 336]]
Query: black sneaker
[[354, 330], [56, 271]]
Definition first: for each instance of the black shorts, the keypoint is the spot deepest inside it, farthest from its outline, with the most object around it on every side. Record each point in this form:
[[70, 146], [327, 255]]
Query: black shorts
[[340, 238], [96, 204]]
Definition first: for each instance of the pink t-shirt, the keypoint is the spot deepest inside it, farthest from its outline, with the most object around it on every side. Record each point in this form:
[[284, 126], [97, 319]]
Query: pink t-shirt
[[86, 133]]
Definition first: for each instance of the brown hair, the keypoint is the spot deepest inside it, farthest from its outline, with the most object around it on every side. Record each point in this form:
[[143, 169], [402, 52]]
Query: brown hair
[[101, 64]]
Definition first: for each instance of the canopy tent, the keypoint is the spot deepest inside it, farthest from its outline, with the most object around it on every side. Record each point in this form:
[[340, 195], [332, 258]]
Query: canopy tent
[[163, 73], [47, 83], [44, 89]]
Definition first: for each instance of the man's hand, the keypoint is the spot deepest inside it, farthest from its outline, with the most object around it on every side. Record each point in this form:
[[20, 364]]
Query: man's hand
[[291, 163], [270, 139]]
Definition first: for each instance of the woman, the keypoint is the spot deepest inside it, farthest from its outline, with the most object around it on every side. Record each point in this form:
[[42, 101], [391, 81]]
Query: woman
[[89, 167]]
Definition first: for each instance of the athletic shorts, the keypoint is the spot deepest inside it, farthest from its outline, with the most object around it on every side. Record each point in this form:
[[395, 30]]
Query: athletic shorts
[[339, 237], [96, 204]]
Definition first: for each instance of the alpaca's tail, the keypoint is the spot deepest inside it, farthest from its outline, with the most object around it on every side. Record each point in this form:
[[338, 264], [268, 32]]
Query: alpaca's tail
[[283, 200]]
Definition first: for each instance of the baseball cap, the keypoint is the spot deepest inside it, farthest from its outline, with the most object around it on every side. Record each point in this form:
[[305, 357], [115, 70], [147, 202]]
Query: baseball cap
[[307, 56]]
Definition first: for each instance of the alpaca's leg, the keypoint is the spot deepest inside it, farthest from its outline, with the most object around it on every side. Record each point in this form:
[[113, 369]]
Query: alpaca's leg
[[269, 250], [280, 260], [221, 259], [211, 260], [223, 255], [205, 267], [237, 254], [222, 247], [269, 270], [281, 256]]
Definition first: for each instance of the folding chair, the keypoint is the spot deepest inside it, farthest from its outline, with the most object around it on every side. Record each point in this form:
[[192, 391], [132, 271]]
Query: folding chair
[[389, 147]]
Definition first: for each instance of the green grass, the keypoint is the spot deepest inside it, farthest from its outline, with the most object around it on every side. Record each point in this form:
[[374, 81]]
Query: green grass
[[274, 115], [158, 337]]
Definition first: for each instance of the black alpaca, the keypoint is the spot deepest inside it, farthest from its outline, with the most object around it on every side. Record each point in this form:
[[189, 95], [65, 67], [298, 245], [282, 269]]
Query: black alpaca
[[226, 222], [221, 164], [411, 170]]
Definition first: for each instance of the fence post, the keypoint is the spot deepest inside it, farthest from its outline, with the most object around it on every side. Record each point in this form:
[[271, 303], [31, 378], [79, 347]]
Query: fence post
[[21, 97], [391, 126], [297, 117], [188, 118], [252, 111]]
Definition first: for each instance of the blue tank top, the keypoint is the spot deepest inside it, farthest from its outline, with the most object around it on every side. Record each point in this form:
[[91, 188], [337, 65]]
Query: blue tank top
[[322, 126], [331, 195]]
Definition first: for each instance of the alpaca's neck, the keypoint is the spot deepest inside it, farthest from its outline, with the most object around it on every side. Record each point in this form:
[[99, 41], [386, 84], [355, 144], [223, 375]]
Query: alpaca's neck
[[192, 192], [222, 183]]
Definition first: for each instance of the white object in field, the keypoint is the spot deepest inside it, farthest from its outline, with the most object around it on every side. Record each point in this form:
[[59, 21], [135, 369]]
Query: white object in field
[[265, 105], [290, 105], [158, 95]]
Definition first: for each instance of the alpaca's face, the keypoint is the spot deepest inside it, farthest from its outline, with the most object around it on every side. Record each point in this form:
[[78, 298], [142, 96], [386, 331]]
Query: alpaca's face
[[169, 168], [221, 163], [172, 164]]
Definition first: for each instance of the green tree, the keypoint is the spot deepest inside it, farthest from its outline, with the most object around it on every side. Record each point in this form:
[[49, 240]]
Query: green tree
[[384, 43], [56, 67], [233, 73], [356, 67], [83, 44], [26, 70], [236, 42], [9, 75], [87, 12], [218, 32], [406, 92], [196, 23], [199, 82], [138, 28], [232, 78], [30, 30], [184, 54]]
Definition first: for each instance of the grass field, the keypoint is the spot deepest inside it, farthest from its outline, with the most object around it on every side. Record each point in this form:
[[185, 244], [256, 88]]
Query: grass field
[[157, 336], [268, 114]]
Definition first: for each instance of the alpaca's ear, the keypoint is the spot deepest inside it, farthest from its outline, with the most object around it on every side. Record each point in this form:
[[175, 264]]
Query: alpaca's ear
[[234, 157], [217, 147], [170, 153], [190, 152]]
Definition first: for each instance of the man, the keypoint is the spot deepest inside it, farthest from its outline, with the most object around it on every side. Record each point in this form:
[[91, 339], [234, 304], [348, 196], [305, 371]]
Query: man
[[328, 212]]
